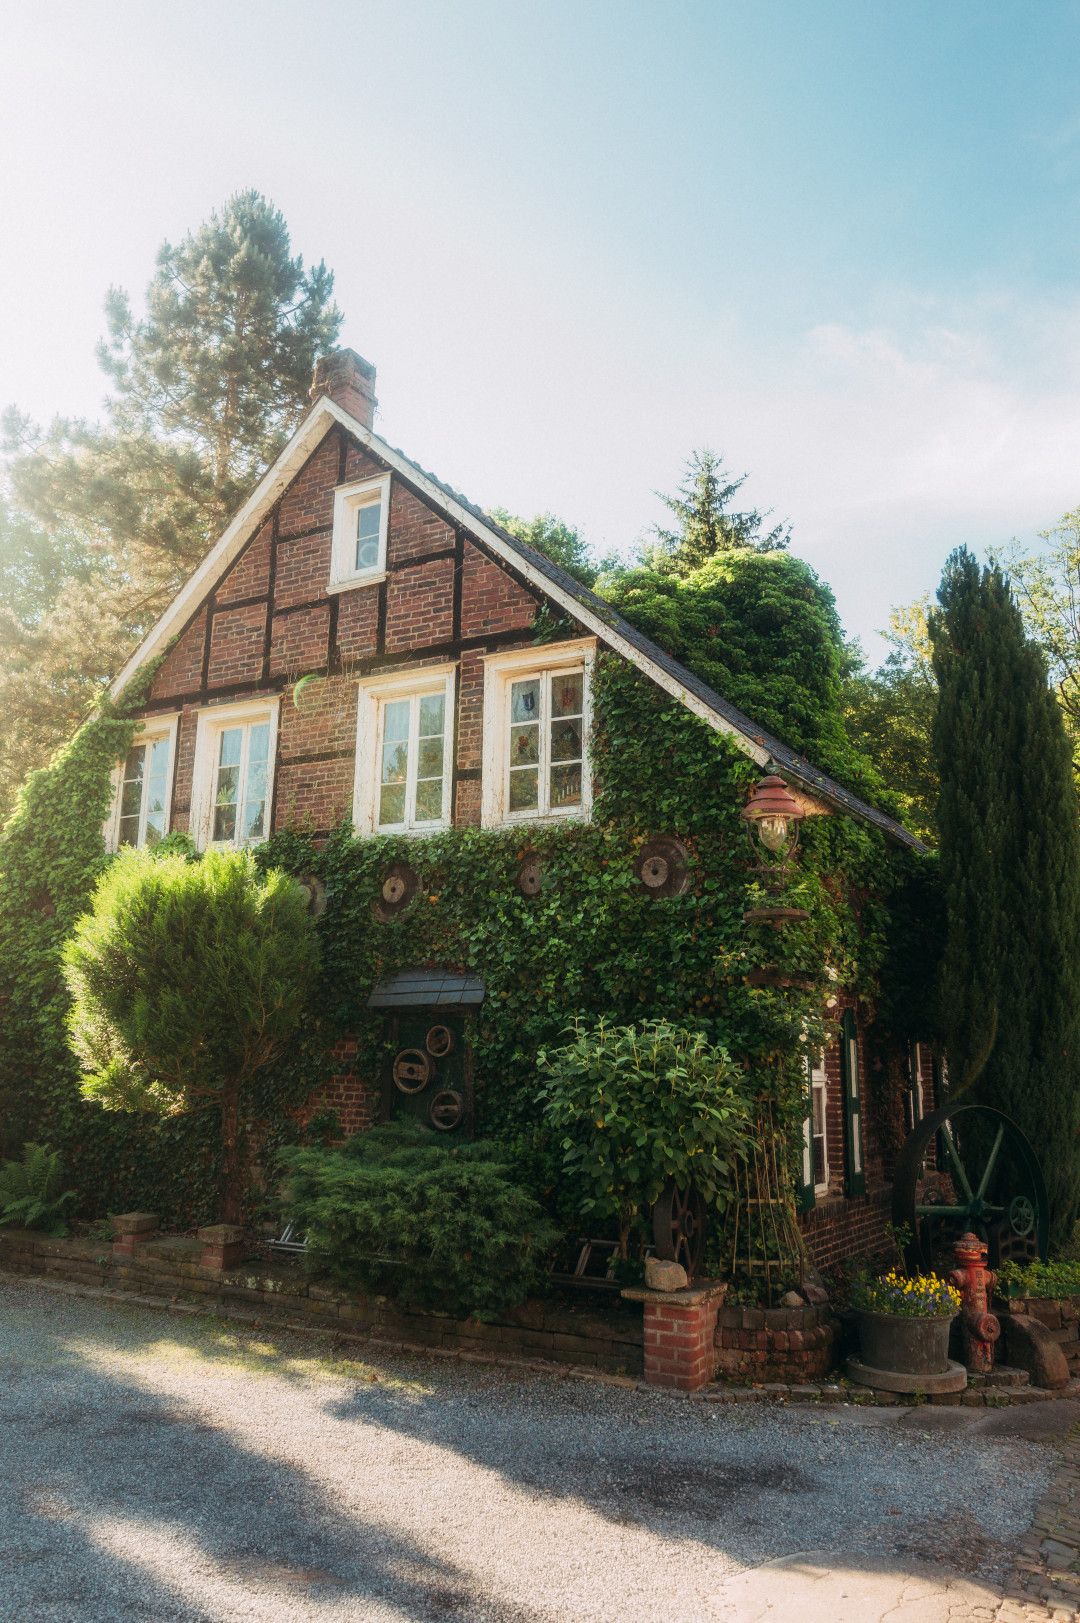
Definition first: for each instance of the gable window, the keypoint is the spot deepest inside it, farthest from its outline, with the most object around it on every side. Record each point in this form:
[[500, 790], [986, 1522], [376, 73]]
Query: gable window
[[140, 815], [404, 747], [358, 549], [232, 782], [536, 727]]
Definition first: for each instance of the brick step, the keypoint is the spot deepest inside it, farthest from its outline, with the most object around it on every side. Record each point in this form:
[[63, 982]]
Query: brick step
[[1002, 1376]]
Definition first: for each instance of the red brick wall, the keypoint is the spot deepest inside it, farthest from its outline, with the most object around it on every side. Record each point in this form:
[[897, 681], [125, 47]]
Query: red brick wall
[[353, 1101]]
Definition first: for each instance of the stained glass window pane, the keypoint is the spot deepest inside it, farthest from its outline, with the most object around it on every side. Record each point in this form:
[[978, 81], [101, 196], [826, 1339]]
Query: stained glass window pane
[[525, 701], [566, 692], [524, 789], [565, 785], [566, 740], [524, 745]]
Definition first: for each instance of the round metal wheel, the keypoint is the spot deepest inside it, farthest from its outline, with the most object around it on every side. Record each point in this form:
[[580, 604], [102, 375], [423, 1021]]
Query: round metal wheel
[[439, 1041], [447, 1109], [968, 1167], [679, 1226], [413, 1070]]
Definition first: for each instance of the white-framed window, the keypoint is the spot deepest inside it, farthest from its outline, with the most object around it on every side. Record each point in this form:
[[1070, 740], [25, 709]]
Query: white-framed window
[[142, 787], [916, 1109], [817, 1124], [404, 752], [358, 549], [537, 717], [233, 779]]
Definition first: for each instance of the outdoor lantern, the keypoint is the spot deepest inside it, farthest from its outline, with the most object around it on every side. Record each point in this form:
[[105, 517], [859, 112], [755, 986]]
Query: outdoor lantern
[[773, 816]]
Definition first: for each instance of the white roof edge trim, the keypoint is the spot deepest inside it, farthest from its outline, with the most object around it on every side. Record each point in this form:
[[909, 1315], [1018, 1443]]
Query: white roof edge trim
[[288, 464]]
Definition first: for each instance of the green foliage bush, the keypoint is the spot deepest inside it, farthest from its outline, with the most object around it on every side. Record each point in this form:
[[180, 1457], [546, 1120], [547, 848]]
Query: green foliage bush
[[186, 978], [437, 1226], [635, 1105], [30, 1192], [1056, 1278]]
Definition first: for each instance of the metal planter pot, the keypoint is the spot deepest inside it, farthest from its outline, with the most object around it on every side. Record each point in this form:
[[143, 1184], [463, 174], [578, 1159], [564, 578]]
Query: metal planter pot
[[908, 1346]]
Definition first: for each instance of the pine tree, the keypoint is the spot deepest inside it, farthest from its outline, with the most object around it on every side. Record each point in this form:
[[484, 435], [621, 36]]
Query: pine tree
[[103, 522], [706, 524], [1010, 858]]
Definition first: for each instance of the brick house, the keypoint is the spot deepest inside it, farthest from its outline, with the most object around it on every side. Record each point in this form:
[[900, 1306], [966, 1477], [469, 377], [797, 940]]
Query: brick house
[[434, 707]]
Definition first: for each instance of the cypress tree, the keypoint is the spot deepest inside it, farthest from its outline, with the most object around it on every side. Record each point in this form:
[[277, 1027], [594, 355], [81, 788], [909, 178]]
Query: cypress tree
[[1010, 859]]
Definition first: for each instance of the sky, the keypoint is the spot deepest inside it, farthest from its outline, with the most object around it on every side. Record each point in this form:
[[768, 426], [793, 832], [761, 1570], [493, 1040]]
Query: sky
[[837, 243]]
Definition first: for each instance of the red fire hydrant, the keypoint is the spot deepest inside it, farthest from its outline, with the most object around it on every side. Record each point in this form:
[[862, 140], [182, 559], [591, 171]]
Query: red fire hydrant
[[975, 1282]]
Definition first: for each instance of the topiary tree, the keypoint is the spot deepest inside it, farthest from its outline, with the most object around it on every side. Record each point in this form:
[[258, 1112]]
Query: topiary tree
[[1010, 866], [187, 979]]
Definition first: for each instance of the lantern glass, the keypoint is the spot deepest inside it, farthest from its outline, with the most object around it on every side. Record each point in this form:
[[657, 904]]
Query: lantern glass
[[773, 832]]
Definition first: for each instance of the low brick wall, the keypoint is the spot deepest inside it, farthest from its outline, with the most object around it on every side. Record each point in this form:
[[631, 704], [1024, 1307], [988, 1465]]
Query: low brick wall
[[775, 1343], [563, 1332], [1061, 1316]]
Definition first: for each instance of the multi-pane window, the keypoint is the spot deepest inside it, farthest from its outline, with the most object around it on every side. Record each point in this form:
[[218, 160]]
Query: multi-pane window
[[546, 753], [358, 545], [412, 758], [819, 1139], [144, 786], [240, 784]]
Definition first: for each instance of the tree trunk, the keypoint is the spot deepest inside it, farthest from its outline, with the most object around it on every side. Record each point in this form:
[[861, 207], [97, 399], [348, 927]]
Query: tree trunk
[[231, 1163]]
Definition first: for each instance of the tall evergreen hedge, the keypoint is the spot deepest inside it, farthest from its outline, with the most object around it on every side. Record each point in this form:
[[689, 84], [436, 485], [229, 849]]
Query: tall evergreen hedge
[[1010, 860]]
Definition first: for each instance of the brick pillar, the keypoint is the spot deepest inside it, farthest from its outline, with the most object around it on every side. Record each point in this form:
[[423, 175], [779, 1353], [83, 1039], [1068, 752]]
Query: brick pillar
[[680, 1335], [131, 1230]]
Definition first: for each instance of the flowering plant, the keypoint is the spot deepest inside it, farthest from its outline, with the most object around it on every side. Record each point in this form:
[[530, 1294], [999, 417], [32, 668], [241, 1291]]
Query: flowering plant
[[922, 1296]]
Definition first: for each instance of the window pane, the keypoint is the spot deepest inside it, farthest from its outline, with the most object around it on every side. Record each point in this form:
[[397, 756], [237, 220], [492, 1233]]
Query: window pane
[[254, 820], [367, 535], [391, 805], [259, 742], [566, 740], [227, 784], [396, 719], [525, 701], [819, 1158], [136, 760], [129, 830], [131, 798], [432, 709], [429, 800], [229, 748], [394, 762], [224, 822], [524, 787], [565, 786], [566, 694], [156, 811], [524, 745], [429, 760]]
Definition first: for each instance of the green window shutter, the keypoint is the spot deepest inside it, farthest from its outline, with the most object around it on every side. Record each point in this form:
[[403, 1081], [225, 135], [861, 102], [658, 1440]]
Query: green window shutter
[[854, 1169], [806, 1164]]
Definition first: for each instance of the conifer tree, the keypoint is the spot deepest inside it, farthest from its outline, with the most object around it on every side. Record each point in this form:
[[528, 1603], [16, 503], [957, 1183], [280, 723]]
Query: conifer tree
[[706, 524], [1010, 857], [207, 384]]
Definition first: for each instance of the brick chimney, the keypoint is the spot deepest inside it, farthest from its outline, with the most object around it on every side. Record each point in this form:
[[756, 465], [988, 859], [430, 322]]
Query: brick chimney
[[349, 381]]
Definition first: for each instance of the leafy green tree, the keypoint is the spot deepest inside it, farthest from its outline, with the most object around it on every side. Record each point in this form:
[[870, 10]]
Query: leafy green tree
[[554, 538], [762, 629], [636, 1105], [706, 524], [102, 522], [187, 979], [1010, 865], [1046, 583], [890, 716]]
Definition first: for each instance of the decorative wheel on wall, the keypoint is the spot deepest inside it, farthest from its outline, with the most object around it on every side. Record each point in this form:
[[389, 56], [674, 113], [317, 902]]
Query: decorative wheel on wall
[[439, 1041], [661, 867], [679, 1226], [968, 1167], [447, 1109], [413, 1070]]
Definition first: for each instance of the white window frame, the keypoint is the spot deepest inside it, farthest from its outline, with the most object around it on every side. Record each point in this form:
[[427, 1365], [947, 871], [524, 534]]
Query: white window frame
[[348, 500], [919, 1089], [500, 672], [819, 1085], [151, 731], [374, 692], [211, 723]]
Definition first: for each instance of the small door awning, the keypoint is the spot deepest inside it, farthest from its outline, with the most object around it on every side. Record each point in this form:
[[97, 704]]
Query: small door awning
[[427, 989]]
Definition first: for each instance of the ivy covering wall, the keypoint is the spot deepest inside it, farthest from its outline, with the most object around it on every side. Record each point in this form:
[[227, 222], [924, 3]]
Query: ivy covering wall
[[594, 941]]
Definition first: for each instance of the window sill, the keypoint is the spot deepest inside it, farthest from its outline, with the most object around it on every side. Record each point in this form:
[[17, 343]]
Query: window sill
[[355, 581], [548, 820]]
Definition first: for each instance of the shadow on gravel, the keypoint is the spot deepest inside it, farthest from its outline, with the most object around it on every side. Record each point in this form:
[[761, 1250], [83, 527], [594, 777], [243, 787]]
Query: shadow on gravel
[[115, 1504]]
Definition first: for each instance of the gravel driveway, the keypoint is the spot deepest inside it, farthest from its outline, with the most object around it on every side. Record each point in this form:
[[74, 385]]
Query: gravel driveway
[[160, 1467]]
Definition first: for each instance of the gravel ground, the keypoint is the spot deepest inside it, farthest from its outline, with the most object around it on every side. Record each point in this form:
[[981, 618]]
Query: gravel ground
[[158, 1467]]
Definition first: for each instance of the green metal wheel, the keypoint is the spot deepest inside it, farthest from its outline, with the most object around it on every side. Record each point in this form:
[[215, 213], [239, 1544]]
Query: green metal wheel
[[967, 1167]]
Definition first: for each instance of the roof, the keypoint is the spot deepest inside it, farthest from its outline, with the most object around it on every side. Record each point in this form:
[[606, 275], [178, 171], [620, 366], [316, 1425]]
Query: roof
[[427, 989], [577, 600]]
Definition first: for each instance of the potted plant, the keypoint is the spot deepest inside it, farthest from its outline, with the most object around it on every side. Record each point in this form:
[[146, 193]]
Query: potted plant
[[904, 1323]]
